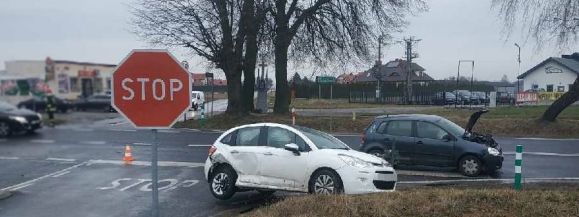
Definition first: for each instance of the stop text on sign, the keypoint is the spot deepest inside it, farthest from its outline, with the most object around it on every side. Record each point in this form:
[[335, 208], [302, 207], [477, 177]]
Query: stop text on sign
[[160, 89]]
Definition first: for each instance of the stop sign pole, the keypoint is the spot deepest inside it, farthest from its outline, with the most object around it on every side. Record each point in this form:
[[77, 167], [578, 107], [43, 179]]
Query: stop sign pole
[[152, 90]]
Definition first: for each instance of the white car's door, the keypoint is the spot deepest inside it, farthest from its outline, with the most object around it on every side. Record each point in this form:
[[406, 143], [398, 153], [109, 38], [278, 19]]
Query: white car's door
[[281, 168], [245, 153]]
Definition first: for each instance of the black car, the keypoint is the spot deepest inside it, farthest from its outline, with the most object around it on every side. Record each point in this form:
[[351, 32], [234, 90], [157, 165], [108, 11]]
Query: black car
[[443, 98], [38, 104], [14, 120], [430, 140], [99, 102]]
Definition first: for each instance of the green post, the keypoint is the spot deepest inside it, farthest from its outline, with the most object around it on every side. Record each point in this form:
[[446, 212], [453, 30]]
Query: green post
[[202, 119], [518, 167]]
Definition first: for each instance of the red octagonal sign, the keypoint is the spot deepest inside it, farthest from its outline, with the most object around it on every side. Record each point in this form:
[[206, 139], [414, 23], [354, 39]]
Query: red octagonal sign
[[151, 89]]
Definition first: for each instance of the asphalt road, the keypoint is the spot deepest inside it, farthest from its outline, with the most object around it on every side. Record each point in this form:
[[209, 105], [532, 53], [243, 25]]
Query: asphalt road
[[77, 170]]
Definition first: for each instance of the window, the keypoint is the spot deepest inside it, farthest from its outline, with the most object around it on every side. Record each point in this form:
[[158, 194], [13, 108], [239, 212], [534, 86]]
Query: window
[[382, 127], [399, 128], [549, 88], [74, 87], [560, 88], [279, 137], [248, 136], [323, 140], [429, 131], [535, 87], [228, 140]]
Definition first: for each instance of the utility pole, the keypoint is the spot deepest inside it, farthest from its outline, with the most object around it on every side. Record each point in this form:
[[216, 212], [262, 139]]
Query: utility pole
[[518, 70], [410, 41]]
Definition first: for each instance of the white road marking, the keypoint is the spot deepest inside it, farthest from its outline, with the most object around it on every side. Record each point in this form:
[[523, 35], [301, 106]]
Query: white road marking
[[61, 159], [169, 131], [94, 142], [544, 154], [554, 139], [141, 144], [124, 130], [432, 174], [32, 181], [45, 141], [146, 163], [198, 145], [60, 174], [21, 187], [525, 180], [9, 158]]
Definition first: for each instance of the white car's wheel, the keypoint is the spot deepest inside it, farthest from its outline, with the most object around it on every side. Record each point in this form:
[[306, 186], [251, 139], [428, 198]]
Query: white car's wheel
[[325, 182], [223, 183]]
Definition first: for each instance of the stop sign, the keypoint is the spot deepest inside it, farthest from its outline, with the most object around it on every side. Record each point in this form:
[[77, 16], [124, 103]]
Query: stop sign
[[151, 89]]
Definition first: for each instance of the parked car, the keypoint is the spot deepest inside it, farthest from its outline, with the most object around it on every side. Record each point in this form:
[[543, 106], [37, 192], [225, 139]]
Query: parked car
[[198, 99], [430, 140], [38, 104], [444, 98], [99, 102], [481, 97], [506, 98], [462, 96], [14, 120], [267, 157]]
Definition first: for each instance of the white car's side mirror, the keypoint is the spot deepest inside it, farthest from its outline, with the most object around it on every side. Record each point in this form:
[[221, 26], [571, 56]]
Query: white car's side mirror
[[293, 148]]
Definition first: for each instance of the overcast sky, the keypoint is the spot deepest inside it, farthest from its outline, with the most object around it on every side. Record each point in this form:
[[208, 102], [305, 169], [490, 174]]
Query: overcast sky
[[99, 31]]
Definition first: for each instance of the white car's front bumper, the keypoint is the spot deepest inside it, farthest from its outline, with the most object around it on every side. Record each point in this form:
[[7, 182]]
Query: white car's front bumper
[[371, 180]]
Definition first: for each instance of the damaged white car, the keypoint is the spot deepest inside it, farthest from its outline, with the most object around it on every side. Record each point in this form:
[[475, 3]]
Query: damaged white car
[[267, 157]]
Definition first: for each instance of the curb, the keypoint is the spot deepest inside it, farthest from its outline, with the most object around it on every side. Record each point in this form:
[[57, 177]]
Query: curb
[[5, 194]]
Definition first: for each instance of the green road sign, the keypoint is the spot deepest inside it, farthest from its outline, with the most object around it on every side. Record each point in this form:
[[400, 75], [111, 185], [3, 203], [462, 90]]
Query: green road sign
[[325, 79]]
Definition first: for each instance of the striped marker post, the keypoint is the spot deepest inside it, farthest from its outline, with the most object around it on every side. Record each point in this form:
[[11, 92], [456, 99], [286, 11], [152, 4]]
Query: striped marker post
[[518, 167]]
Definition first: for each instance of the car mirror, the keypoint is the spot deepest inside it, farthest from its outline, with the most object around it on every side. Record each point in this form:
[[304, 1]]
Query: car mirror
[[293, 148], [447, 138]]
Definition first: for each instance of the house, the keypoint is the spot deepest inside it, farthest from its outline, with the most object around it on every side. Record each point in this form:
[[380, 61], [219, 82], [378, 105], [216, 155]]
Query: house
[[394, 71], [555, 74], [198, 79], [346, 78]]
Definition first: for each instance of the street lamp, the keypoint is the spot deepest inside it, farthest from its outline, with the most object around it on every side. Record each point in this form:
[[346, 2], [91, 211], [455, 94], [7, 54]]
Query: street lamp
[[519, 69]]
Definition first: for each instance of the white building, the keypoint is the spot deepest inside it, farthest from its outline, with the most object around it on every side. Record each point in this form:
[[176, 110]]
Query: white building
[[555, 74], [66, 79]]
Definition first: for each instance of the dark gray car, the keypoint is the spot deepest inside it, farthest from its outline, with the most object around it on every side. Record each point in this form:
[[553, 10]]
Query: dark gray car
[[431, 140]]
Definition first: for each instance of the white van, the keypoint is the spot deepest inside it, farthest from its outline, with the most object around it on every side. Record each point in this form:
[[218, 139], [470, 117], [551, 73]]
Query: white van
[[197, 98]]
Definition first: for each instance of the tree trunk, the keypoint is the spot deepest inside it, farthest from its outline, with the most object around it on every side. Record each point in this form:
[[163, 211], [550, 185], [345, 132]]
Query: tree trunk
[[250, 59], [562, 103], [233, 93], [282, 99]]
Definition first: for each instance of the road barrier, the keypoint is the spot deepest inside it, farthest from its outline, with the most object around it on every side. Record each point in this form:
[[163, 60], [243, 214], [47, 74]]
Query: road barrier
[[293, 116], [518, 167], [128, 158]]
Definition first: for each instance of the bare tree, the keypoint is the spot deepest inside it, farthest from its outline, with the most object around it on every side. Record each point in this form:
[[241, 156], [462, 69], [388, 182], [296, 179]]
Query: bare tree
[[546, 21], [330, 30], [213, 29]]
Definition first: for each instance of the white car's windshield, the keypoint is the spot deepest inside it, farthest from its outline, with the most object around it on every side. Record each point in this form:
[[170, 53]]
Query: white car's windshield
[[323, 140]]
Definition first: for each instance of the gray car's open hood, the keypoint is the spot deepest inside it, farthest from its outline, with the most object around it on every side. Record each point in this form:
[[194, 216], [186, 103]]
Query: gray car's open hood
[[473, 119]]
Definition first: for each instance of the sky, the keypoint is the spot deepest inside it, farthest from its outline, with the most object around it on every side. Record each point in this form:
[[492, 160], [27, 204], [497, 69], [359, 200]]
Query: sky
[[100, 31]]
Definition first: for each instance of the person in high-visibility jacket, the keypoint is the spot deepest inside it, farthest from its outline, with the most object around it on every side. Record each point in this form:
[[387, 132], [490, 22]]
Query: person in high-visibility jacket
[[50, 108]]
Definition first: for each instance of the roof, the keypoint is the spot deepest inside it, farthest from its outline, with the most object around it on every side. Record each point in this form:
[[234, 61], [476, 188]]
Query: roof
[[395, 70], [568, 63], [83, 63]]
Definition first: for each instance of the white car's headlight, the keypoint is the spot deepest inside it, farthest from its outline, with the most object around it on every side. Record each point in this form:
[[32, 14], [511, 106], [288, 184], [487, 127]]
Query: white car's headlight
[[19, 119], [493, 151], [354, 161], [39, 116]]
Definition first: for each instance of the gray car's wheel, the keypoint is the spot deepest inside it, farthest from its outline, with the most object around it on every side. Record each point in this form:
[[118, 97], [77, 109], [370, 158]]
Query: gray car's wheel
[[222, 183], [325, 181], [470, 166], [5, 130]]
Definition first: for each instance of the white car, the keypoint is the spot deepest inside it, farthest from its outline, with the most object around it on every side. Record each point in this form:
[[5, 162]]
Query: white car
[[268, 157], [198, 98]]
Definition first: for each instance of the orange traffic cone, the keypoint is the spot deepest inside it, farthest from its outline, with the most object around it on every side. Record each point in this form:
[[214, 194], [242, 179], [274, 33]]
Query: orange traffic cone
[[128, 156]]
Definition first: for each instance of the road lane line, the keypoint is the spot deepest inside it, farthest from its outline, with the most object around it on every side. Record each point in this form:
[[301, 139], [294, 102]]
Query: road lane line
[[61, 159], [146, 163], [198, 145], [21, 187], [44, 141], [9, 158], [169, 131], [32, 181], [141, 144], [554, 139], [543, 154], [94, 142], [61, 174]]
